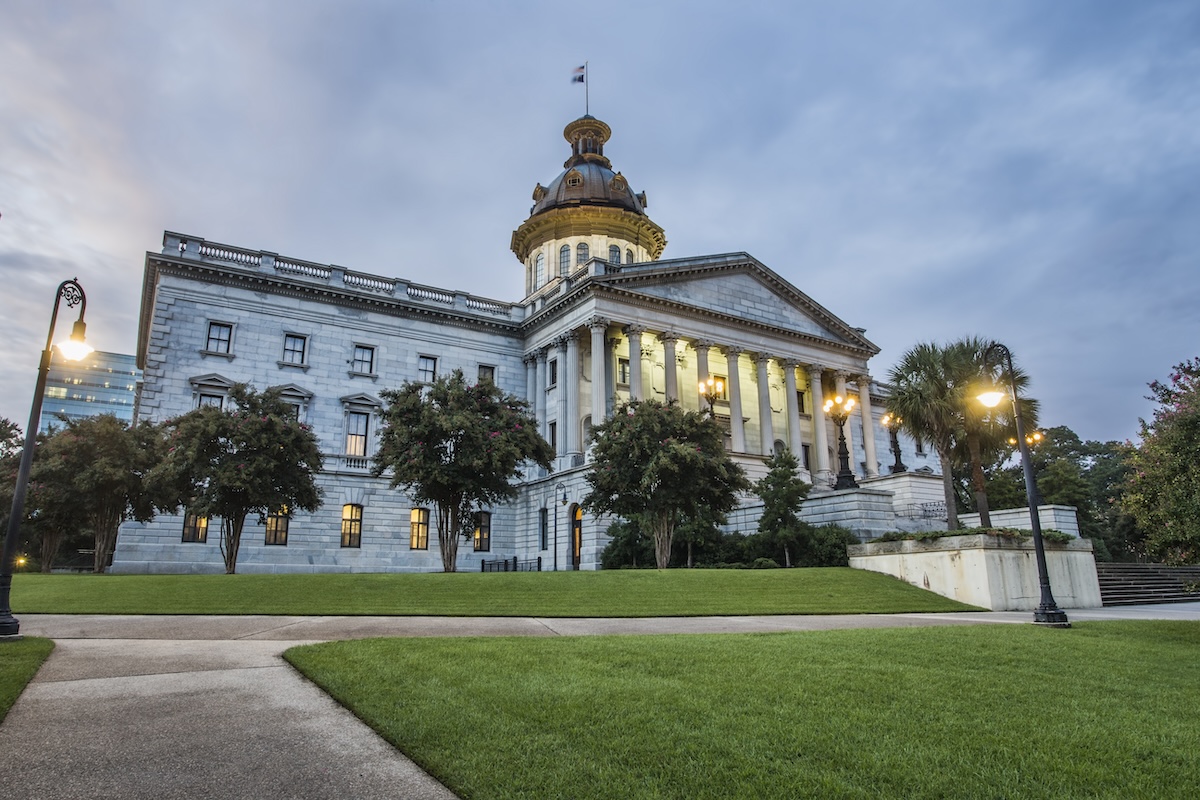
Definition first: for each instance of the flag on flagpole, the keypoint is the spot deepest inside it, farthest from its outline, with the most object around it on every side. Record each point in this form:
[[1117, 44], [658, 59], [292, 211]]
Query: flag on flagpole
[[580, 75]]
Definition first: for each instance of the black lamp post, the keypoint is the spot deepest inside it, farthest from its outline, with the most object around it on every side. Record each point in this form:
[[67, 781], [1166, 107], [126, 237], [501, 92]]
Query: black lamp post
[[839, 409], [1047, 613], [74, 349], [563, 489], [892, 423], [711, 390]]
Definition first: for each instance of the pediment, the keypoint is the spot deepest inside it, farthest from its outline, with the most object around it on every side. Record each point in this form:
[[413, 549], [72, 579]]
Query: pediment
[[294, 391], [360, 399], [211, 380]]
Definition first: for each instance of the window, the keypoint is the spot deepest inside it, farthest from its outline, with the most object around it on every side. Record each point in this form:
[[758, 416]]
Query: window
[[220, 337], [487, 373], [356, 433], [553, 435], [352, 525], [294, 347], [552, 373], [628, 256], [418, 538], [277, 527], [800, 402], [195, 528], [581, 252], [724, 382], [363, 361], [623, 371], [483, 532], [539, 271], [614, 254], [920, 446], [426, 369], [214, 400], [564, 259], [544, 527], [806, 457]]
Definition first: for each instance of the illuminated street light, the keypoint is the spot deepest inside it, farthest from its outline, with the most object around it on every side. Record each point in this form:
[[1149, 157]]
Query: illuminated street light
[[892, 423], [1047, 612], [711, 390], [73, 349], [839, 409]]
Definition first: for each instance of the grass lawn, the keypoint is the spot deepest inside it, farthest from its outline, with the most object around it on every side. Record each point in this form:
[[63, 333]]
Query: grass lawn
[[19, 661], [1103, 710], [621, 593]]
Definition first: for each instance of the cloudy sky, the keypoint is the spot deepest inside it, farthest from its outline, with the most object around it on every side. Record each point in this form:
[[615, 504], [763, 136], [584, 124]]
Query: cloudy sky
[[1022, 171]]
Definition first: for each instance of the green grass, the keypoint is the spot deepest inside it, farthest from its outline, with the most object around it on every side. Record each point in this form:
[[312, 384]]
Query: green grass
[[623, 593], [19, 662], [1103, 710]]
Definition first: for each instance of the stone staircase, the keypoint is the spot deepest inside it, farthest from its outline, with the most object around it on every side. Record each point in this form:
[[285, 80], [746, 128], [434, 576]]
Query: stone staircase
[[1133, 584]]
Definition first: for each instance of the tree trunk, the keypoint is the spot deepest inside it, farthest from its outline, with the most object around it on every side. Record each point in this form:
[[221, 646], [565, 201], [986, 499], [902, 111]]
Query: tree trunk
[[664, 530], [104, 533], [447, 525], [50, 544], [787, 557], [977, 482], [948, 490], [691, 561], [231, 540]]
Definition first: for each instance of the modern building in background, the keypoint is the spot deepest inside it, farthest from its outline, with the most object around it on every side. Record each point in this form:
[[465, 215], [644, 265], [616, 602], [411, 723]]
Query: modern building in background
[[603, 319], [102, 383]]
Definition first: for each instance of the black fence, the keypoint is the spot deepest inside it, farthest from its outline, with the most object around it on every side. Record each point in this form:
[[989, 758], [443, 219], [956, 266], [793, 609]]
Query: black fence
[[511, 565]]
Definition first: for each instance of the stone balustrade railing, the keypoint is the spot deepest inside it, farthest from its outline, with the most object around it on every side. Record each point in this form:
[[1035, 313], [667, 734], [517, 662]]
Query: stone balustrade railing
[[192, 247]]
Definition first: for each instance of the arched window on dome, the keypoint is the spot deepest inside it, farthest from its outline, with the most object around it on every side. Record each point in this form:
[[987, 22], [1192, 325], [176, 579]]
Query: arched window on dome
[[581, 253], [539, 271], [628, 256], [614, 254], [564, 260]]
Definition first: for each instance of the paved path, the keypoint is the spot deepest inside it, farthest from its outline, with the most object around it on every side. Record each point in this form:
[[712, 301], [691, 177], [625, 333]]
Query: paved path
[[169, 707]]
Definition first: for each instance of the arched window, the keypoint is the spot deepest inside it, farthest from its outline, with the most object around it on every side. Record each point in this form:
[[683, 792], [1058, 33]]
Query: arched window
[[539, 271], [614, 254], [564, 259], [628, 256], [581, 253]]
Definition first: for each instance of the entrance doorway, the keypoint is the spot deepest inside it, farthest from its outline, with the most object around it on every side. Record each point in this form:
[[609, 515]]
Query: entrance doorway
[[576, 536]]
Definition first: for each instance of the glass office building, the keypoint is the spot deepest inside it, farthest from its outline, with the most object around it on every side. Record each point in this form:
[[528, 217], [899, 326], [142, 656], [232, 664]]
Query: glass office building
[[102, 383]]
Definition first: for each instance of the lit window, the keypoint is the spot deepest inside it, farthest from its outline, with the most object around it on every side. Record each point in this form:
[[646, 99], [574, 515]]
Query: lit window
[[220, 336], [487, 373], [356, 433], [426, 369], [277, 527], [483, 532], [539, 271], [623, 371], [364, 359], [614, 254], [352, 525], [195, 528], [294, 346], [564, 259], [419, 529], [581, 252], [723, 382]]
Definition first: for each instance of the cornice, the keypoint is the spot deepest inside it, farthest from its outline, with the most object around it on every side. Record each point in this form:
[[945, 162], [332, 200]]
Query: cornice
[[585, 220]]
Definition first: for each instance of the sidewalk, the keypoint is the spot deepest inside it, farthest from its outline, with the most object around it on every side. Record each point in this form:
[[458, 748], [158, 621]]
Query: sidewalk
[[205, 707]]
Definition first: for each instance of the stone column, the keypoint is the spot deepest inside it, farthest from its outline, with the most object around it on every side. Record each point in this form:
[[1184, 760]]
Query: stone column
[[670, 365], [634, 334], [530, 376], [868, 426], [737, 424], [820, 427], [766, 425], [701, 346], [564, 424], [793, 410], [599, 326], [570, 387], [539, 395]]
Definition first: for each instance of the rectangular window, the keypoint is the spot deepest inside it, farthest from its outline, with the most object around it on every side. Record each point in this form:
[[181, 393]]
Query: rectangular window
[[418, 537], [800, 402], [920, 446], [195, 528], [364, 359], [623, 371], [426, 369], [806, 456], [294, 346], [352, 525], [553, 435], [487, 373], [724, 393], [277, 527], [552, 372], [356, 433], [483, 532], [214, 400], [544, 527], [220, 337]]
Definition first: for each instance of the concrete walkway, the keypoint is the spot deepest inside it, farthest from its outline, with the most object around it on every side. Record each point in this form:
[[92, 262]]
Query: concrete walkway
[[205, 707]]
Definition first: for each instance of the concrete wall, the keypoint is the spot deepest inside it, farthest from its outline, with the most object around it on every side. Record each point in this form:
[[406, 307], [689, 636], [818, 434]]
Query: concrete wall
[[993, 572], [1058, 518]]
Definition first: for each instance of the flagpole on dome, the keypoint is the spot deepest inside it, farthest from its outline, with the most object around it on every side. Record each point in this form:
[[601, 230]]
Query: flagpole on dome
[[580, 76]]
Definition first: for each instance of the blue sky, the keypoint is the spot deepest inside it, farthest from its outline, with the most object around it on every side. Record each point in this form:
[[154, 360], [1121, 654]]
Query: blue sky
[[1021, 171]]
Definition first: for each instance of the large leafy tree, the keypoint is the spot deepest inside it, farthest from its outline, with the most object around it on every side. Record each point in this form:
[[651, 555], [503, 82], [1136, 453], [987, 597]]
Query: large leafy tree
[[1164, 488], [91, 475], [657, 465], [253, 458], [782, 492], [10, 452], [458, 447]]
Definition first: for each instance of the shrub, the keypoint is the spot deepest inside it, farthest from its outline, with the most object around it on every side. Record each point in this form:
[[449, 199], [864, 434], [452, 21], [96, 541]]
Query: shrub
[[764, 563]]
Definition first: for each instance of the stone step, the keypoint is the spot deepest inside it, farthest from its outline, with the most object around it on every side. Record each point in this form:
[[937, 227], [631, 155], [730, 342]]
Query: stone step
[[1129, 584]]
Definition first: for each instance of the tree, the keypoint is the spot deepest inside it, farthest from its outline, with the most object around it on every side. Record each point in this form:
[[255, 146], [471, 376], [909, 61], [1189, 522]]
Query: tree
[[782, 492], [657, 464], [254, 458], [458, 447], [11, 440], [1164, 488], [91, 475]]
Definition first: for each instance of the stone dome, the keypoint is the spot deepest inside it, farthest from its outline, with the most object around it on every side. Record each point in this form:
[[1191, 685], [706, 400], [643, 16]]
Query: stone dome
[[587, 178]]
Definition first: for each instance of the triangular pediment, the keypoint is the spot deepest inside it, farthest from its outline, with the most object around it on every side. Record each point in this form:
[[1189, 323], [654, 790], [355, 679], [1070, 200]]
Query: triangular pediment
[[211, 380]]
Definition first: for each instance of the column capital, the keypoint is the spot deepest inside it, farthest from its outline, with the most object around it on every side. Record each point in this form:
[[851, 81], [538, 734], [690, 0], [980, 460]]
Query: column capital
[[791, 363], [732, 351], [600, 323], [541, 353], [668, 336], [703, 344], [633, 330], [761, 357], [814, 367]]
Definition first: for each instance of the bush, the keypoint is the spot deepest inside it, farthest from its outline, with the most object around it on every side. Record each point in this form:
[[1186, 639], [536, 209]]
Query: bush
[[826, 547], [764, 563]]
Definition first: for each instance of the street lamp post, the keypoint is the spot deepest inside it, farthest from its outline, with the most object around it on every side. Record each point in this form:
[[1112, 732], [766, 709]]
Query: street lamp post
[[73, 349], [711, 390], [563, 489], [839, 408], [1047, 613], [892, 423]]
